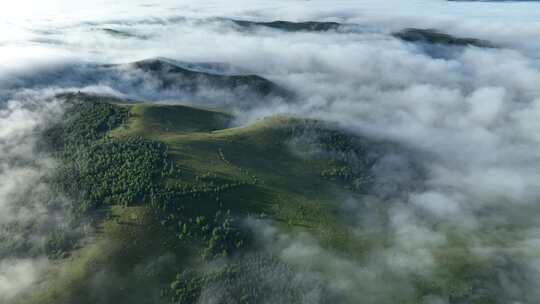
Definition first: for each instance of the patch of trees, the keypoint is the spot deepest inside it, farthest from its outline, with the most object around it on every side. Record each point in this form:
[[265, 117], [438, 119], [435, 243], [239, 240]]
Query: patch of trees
[[59, 243], [113, 171], [86, 119], [193, 213], [349, 159], [220, 235], [98, 171], [95, 170], [252, 279], [183, 195], [361, 163]]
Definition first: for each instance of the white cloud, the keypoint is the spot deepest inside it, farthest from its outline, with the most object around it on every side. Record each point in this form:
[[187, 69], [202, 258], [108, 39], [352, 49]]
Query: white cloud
[[16, 275]]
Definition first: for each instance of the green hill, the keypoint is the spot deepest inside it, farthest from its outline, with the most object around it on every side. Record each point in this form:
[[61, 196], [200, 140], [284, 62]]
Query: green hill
[[160, 181], [167, 194]]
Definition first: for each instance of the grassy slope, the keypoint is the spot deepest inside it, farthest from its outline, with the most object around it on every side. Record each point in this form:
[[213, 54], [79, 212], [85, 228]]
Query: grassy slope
[[288, 186], [283, 186]]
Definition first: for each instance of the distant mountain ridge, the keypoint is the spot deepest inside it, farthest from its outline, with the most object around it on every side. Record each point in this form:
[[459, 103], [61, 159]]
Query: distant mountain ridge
[[433, 36], [193, 77], [310, 26]]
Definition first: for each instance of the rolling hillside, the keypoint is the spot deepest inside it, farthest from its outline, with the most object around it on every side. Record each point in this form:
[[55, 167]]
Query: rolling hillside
[[179, 204], [240, 172]]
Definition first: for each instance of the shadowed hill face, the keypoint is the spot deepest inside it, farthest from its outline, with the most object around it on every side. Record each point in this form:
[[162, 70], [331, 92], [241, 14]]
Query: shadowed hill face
[[308, 26], [432, 36], [118, 33], [72, 97], [191, 80], [201, 83], [214, 68]]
